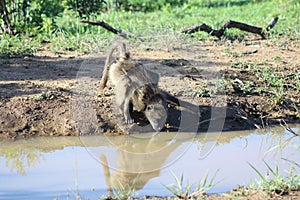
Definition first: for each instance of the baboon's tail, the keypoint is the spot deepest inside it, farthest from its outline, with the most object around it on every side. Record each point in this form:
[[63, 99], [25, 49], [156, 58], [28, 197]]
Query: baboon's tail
[[108, 62]]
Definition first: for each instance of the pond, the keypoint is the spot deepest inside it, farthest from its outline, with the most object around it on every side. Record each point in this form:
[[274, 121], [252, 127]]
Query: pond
[[68, 167]]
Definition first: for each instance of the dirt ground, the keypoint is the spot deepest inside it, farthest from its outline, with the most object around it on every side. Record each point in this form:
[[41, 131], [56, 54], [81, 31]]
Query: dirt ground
[[40, 95], [237, 194]]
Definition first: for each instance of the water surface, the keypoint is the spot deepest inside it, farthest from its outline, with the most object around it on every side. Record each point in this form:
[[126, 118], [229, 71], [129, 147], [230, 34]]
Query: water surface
[[65, 167]]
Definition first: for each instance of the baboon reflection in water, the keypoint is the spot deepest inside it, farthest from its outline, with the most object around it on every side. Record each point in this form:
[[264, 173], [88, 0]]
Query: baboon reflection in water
[[139, 161]]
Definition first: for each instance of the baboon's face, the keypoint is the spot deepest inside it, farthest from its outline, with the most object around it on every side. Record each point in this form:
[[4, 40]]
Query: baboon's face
[[156, 114]]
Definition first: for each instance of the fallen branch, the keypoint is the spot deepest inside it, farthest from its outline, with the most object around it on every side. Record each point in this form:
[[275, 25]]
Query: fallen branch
[[263, 32], [109, 28], [202, 27], [232, 24]]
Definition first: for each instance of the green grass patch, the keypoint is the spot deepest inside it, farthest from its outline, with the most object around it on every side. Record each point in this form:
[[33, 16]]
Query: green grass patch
[[65, 32], [185, 190], [270, 80], [275, 183], [18, 46]]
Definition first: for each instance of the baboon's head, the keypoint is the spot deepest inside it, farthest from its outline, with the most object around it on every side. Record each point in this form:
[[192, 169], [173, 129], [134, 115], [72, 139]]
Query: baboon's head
[[156, 113]]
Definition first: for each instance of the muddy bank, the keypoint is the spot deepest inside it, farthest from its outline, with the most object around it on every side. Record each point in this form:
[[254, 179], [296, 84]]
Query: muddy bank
[[40, 95]]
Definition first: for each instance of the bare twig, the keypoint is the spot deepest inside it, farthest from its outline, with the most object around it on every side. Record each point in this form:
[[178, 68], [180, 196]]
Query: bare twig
[[109, 28], [232, 24], [250, 52]]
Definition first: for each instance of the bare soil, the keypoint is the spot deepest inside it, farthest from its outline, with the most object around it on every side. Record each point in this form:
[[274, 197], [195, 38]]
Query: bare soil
[[255, 195], [237, 194]]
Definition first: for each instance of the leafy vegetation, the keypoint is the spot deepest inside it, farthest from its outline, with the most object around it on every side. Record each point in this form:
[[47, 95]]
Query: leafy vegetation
[[57, 23]]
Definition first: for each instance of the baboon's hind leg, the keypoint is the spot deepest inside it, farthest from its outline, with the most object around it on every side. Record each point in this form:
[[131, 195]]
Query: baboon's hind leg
[[104, 78]]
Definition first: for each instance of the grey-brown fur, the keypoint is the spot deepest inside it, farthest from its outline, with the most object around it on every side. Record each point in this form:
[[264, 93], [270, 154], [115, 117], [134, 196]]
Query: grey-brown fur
[[135, 88]]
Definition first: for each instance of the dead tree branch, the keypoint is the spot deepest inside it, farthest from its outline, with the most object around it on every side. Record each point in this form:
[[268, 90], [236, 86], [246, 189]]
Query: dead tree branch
[[243, 27], [109, 28], [272, 23], [263, 32], [202, 27]]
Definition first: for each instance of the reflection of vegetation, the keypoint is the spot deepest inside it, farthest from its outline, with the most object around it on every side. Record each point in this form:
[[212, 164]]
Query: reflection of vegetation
[[19, 159], [189, 191]]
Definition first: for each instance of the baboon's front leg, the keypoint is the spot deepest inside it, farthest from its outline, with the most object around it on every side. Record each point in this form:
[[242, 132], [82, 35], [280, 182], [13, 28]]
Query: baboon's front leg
[[126, 112]]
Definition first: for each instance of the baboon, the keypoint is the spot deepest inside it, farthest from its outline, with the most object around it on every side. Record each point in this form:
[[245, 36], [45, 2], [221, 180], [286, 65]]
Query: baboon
[[136, 88]]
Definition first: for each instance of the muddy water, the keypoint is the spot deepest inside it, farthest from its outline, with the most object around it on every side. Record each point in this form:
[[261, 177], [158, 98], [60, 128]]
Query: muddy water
[[67, 167]]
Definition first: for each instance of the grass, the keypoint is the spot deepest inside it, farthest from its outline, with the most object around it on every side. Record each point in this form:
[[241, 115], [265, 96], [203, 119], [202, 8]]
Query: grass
[[183, 190], [273, 184], [270, 80], [18, 46], [44, 96], [279, 184], [124, 192], [265, 79], [69, 34]]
